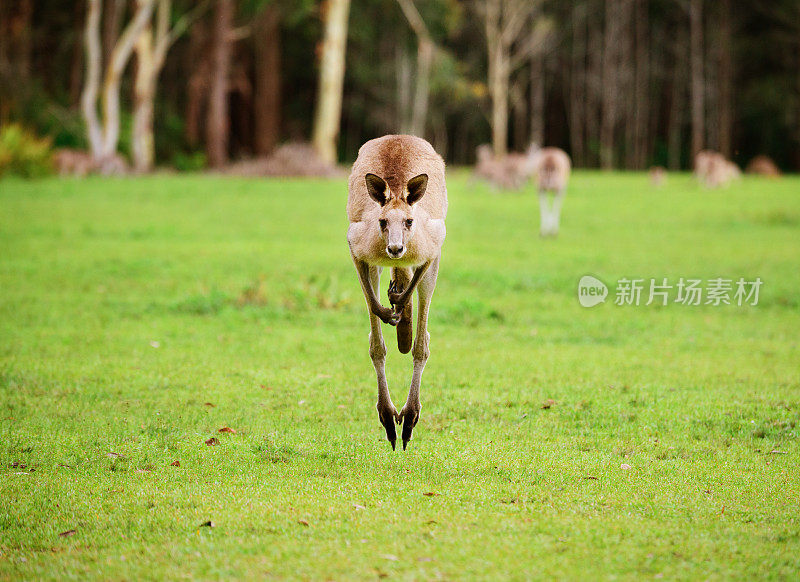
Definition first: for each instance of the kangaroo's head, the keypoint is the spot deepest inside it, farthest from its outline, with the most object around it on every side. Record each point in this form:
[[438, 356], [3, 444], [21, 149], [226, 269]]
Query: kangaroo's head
[[396, 218]]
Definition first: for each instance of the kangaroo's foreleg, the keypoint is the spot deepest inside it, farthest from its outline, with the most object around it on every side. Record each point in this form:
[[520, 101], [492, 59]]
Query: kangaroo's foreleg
[[369, 287], [399, 299], [387, 413], [420, 352]]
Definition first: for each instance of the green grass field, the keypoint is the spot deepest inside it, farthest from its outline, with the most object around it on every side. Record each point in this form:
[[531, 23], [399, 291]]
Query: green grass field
[[140, 316]]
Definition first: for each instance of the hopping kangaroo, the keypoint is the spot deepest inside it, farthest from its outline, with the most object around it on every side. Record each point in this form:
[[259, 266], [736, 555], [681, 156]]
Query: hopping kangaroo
[[552, 168], [396, 206]]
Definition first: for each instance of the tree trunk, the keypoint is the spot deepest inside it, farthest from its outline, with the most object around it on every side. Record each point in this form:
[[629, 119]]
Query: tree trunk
[[498, 77], [331, 79], [267, 101], [725, 81], [119, 58], [112, 20], [91, 85], [578, 90], [217, 121], [676, 104], [76, 62], [425, 53], [142, 142], [698, 99], [642, 84], [24, 45], [537, 98], [197, 87], [419, 113], [610, 81], [594, 86]]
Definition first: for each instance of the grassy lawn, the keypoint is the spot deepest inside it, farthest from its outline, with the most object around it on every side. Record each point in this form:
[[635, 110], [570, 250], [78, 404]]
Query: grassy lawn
[[140, 316]]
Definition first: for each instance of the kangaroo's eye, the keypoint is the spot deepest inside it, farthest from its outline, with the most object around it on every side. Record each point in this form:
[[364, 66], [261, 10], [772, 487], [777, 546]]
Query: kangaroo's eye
[[382, 223], [409, 222]]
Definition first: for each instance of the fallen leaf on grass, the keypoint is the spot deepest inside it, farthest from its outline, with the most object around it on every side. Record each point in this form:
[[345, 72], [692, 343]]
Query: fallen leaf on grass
[[302, 522], [227, 429], [591, 477], [212, 442], [548, 403], [625, 467], [431, 522], [209, 405], [66, 534], [430, 494], [208, 523], [175, 464]]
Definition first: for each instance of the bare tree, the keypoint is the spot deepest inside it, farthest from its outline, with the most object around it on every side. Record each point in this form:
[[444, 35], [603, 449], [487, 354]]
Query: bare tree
[[537, 117], [615, 11], [697, 86], [327, 118], [509, 44], [267, 94], [151, 51], [425, 54], [217, 119], [725, 74], [577, 84], [104, 135], [641, 85]]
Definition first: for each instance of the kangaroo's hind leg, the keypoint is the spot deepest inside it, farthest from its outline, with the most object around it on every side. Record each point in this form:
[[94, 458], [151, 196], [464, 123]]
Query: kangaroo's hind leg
[[387, 413], [420, 352]]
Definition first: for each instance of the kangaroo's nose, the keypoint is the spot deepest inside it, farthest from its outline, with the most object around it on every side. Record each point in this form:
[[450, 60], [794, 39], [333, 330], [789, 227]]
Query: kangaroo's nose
[[395, 250]]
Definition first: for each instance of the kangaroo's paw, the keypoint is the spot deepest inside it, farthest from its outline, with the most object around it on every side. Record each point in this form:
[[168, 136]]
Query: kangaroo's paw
[[409, 416], [394, 294], [387, 414], [387, 315]]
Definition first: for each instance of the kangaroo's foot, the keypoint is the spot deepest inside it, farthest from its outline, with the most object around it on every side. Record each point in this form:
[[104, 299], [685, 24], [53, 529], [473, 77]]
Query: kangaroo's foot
[[409, 416], [387, 413]]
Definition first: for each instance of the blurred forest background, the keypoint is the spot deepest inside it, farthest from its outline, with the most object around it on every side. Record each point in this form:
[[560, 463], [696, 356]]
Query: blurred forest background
[[616, 83]]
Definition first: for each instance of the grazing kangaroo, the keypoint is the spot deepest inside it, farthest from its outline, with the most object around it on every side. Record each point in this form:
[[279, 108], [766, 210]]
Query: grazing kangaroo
[[396, 206], [552, 167], [714, 170]]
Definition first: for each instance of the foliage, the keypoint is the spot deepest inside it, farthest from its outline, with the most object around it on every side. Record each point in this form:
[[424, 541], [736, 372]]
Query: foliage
[[23, 154], [141, 316]]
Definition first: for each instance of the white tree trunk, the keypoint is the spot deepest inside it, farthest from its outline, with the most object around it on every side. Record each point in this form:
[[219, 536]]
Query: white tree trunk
[[92, 80], [331, 79], [114, 69]]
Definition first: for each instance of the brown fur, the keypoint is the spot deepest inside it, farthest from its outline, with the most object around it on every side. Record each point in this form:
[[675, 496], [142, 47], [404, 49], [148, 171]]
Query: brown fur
[[396, 205], [509, 172], [658, 176], [714, 170], [764, 166], [552, 167]]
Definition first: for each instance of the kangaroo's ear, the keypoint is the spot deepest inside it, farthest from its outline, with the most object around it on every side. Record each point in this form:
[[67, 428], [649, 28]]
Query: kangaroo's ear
[[416, 188], [377, 189]]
